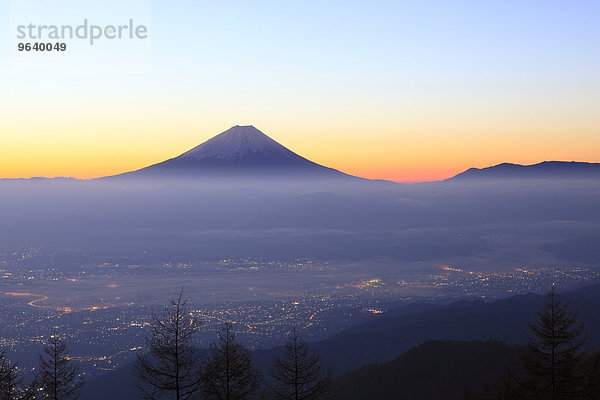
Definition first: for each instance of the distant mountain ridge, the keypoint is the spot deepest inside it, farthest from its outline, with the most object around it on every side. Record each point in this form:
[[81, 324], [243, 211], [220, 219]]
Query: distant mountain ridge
[[543, 170], [245, 151], [240, 151]]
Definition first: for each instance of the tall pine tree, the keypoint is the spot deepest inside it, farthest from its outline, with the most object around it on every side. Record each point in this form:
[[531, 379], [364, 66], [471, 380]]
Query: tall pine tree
[[11, 384], [229, 373], [172, 367], [299, 374], [555, 352], [58, 377]]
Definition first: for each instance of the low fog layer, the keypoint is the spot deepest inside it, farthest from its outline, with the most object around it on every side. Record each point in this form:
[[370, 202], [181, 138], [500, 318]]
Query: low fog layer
[[491, 223]]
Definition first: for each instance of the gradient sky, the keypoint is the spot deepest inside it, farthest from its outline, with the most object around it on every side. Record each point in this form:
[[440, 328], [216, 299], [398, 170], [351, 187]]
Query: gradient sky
[[405, 91]]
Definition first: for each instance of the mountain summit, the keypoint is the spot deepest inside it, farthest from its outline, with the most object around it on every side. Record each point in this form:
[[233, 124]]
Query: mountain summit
[[240, 151], [237, 143]]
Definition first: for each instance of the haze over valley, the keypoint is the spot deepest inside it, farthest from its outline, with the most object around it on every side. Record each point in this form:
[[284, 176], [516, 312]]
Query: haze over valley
[[256, 233]]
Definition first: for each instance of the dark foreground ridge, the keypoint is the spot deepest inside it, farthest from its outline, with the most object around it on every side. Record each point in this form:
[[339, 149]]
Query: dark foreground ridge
[[446, 370], [409, 340]]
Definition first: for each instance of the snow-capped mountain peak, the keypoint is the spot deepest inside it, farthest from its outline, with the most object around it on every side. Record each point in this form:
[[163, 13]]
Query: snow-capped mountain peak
[[235, 143], [240, 151]]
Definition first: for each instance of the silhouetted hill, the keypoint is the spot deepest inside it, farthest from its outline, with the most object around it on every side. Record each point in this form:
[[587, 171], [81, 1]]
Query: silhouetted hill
[[435, 370], [543, 170], [506, 320], [400, 329]]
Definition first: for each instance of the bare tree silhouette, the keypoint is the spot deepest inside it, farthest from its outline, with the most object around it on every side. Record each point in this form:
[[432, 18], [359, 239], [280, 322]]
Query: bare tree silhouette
[[229, 374], [11, 384], [172, 366], [58, 376], [299, 374]]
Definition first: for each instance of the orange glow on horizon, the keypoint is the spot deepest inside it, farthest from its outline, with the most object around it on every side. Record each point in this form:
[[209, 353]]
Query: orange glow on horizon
[[400, 173], [390, 151]]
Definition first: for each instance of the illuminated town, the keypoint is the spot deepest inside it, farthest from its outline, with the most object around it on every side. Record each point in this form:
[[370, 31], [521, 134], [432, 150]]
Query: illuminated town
[[105, 333]]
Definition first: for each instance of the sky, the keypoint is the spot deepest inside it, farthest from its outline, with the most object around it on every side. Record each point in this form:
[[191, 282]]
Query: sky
[[406, 91]]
